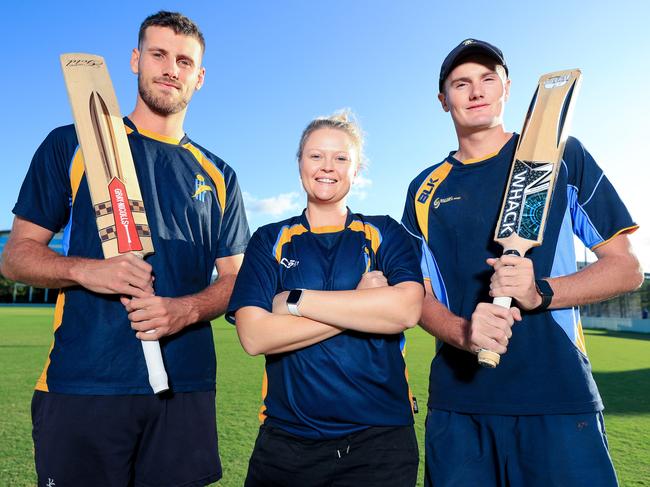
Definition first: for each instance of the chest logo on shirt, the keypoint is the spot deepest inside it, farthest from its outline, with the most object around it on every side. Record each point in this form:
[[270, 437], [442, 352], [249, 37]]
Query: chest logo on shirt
[[200, 188], [441, 201], [289, 263], [431, 185]]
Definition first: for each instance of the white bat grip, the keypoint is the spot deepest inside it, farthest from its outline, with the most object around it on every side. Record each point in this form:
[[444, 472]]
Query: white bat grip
[[155, 366], [503, 301], [153, 359]]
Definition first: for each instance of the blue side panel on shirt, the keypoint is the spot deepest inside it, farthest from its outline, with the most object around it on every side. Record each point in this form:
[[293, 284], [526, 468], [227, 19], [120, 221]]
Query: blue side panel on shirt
[[564, 262], [431, 270], [68, 227], [65, 242], [582, 226], [568, 319]]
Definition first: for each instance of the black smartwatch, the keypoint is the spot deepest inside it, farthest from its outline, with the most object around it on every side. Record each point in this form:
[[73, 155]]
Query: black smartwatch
[[546, 292], [293, 300]]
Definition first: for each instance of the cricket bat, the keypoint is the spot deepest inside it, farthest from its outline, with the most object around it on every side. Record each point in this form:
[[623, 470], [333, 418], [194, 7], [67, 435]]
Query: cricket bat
[[533, 173], [110, 173]]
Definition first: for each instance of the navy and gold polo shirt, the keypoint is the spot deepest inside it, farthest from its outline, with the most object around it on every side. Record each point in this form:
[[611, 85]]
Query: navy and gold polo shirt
[[353, 380], [196, 215]]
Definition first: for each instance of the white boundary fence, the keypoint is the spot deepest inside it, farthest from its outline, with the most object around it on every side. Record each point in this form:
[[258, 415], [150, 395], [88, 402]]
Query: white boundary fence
[[617, 324]]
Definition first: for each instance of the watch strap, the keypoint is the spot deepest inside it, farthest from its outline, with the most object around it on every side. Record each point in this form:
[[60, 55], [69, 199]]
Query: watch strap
[[545, 290], [293, 300]]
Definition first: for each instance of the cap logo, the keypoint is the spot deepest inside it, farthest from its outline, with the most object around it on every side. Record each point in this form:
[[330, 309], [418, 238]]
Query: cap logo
[[468, 42]]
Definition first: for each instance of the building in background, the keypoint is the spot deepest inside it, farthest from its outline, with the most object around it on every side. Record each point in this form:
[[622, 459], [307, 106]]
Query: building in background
[[630, 305]]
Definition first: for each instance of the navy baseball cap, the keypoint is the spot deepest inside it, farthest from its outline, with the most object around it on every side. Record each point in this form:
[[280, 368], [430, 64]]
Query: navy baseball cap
[[464, 49]]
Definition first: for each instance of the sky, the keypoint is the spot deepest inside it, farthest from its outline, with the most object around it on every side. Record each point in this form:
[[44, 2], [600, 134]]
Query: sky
[[272, 66]]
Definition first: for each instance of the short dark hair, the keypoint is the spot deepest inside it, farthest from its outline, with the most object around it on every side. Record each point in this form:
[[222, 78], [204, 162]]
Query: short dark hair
[[176, 22]]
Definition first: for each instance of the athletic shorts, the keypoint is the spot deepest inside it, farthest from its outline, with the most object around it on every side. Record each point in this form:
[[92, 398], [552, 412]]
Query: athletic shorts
[[374, 457], [138, 440], [466, 450]]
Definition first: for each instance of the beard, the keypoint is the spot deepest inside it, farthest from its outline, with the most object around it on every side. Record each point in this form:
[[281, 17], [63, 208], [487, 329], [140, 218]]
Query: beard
[[160, 105]]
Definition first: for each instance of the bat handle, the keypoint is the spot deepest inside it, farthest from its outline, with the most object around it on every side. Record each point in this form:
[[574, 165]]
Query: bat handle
[[155, 366], [153, 358], [487, 358]]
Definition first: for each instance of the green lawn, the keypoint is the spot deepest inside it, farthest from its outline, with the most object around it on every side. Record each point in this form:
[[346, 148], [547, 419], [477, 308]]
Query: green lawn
[[621, 364]]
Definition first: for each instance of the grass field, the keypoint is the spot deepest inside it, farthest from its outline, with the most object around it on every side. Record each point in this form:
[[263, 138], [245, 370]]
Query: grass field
[[621, 365]]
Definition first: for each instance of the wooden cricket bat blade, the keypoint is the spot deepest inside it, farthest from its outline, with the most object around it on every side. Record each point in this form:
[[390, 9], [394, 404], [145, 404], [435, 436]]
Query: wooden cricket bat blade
[[533, 173], [120, 214], [110, 173]]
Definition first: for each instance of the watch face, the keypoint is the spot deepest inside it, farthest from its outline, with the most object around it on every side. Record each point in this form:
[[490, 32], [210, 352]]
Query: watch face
[[294, 296]]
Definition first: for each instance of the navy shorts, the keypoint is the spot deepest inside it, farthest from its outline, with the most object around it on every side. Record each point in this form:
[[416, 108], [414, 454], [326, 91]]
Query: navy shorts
[[465, 450], [374, 457], [139, 440]]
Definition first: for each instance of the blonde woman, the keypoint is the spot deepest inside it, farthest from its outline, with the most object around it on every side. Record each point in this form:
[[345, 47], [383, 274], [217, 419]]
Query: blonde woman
[[325, 296]]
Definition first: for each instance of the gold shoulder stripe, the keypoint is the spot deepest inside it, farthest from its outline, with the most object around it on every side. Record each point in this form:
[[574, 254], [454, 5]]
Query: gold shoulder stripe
[[214, 173], [372, 233], [76, 172], [286, 234], [424, 196]]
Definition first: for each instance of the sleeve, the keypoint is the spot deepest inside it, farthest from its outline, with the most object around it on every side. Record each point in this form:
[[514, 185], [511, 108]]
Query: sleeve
[[395, 255], [45, 195], [234, 234], [597, 212], [409, 217], [257, 281], [416, 240]]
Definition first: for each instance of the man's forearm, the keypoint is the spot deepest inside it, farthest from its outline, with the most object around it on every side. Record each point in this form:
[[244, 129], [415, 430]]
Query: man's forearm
[[211, 302], [34, 263], [612, 274], [437, 320]]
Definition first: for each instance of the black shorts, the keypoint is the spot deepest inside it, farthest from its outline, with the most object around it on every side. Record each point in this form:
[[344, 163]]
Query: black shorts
[[374, 457], [142, 440]]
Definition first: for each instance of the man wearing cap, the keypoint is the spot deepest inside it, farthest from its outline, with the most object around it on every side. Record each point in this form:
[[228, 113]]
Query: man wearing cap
[[536, 419]]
